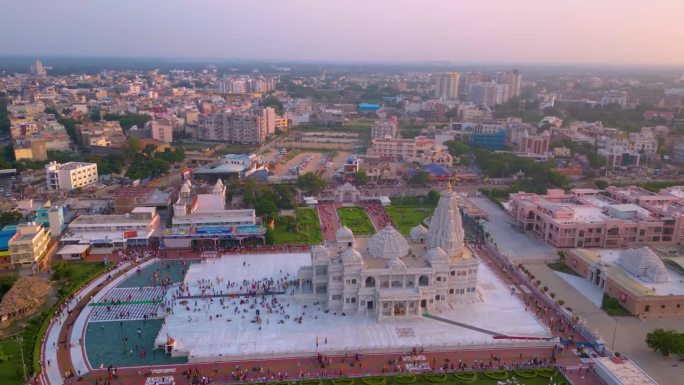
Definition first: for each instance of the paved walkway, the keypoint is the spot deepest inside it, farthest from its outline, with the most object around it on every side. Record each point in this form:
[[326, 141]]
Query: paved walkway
[[330, 222], [519, 246], [629, 332]]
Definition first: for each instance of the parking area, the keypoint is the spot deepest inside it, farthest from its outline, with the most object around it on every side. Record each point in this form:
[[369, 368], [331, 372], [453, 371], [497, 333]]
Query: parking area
[[308, 161]]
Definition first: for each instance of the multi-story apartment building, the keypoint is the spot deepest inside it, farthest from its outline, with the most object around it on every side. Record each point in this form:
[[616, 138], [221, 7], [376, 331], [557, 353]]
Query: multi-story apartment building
[[614, 97], [29, 245], [162, 131], [421, 149], [585, 218], [489, 94], [71, 175], [385, 128], [232, 127], [446, 85], [93, 134]]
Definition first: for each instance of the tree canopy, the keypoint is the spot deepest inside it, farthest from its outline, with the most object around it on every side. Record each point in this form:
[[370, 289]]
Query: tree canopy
[[311, 183], [420, 178], [10, 218], [666, 341]]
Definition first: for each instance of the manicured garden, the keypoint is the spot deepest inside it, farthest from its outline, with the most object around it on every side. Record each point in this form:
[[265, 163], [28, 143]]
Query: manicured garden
[[304, 229], [562, 267], [523, 376], [406, 217], [357, 220], [613, 308]]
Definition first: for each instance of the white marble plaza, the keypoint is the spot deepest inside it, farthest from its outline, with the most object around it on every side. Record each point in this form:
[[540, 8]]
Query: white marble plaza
[[232, 336]]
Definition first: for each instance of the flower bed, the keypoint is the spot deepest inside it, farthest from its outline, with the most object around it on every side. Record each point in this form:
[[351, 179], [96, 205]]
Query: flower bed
[[497, 374], [467, 377]]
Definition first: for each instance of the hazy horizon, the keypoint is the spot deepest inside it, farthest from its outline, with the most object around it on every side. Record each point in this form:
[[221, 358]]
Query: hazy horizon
[[578, 32]]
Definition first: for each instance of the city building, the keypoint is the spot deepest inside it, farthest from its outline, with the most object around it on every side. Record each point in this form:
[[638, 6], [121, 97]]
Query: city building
[[102, 134], [535, 144], [231, 166], [492, 141], [201, 220], [419, 149], [128, 198], [162, 131], [614, 97], [489, 94], [618, 217], [70, 176], [233, 127], [511, 78], [638, 278], [390, 276], [268, 120], [29, 245], [446, 85], [385, 128], [106, 232], [51, 217], [31, 149]]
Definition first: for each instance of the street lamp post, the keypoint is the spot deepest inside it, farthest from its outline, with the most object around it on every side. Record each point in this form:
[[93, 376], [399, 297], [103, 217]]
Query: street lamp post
[[612, 344]]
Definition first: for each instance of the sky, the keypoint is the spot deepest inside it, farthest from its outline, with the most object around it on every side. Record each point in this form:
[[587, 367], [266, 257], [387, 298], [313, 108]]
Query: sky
[[632, 32]]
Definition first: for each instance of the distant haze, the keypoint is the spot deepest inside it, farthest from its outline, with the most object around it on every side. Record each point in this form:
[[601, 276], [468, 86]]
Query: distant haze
[[505, 31]]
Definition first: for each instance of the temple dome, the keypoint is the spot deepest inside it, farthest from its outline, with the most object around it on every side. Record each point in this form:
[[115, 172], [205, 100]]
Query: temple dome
[[350, 256], [643, 262], [418, 233], [437, 254], [344, 232], [388, 243], [395, 263]]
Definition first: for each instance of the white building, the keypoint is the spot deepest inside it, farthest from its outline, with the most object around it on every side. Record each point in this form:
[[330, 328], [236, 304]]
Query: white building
[[71, 175], [113, 231], [446, 85], [389, 276], [200, 219]]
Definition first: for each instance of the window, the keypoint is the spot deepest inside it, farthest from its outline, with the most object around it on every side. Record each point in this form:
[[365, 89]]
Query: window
[[370, 282], [353, 281], [453, 272], [346, 300], [647, 308], [451, 291], [439, 279], [353, 300], [336, 297], [423, 280]]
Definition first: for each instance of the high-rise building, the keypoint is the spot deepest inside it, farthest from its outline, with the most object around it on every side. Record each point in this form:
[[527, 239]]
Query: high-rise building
[[268, 118], [513, 79], [162, 131], [466, 81], [232, 127], [446, 85], [489, 94]]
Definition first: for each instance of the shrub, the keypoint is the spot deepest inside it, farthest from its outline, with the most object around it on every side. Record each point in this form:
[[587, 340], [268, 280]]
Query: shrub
[[552, 295], [311, 382], [527, 373], [560, 302], [342, 381], [497, 374], [405, 378], [538, 282], [545, 288], [546, 372], [466, 377], [435, 377], [374, 380]]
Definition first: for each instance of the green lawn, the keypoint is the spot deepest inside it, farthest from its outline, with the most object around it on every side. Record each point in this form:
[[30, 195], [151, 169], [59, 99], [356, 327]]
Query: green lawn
[[357, 220], [407, 217], [10, 366], [612, 306], [305, 229], [562, 267], [524, 377]]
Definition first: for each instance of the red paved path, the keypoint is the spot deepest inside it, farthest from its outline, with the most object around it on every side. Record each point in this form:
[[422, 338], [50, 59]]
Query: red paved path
[[330, 222]]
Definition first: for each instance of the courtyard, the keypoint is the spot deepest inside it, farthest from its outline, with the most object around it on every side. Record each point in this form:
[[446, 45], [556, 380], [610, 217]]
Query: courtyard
[[223, 325]]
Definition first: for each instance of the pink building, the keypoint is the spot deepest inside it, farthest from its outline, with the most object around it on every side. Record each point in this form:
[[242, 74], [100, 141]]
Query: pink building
[[162, 131], [588, 218]]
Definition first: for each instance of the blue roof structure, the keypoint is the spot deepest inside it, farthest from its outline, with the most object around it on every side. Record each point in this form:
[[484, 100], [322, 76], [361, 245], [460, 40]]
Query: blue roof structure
[[436, 170], [5, 234], [369, 106]]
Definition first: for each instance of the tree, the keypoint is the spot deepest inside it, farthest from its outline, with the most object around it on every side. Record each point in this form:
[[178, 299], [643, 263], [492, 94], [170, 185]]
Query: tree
[[311, 183], [95, 115], [265, 207], [273, 101], [10, 218], [420, 178], [666, 341], [600, 184], [432, 197], [457, 148], [361, 178]]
